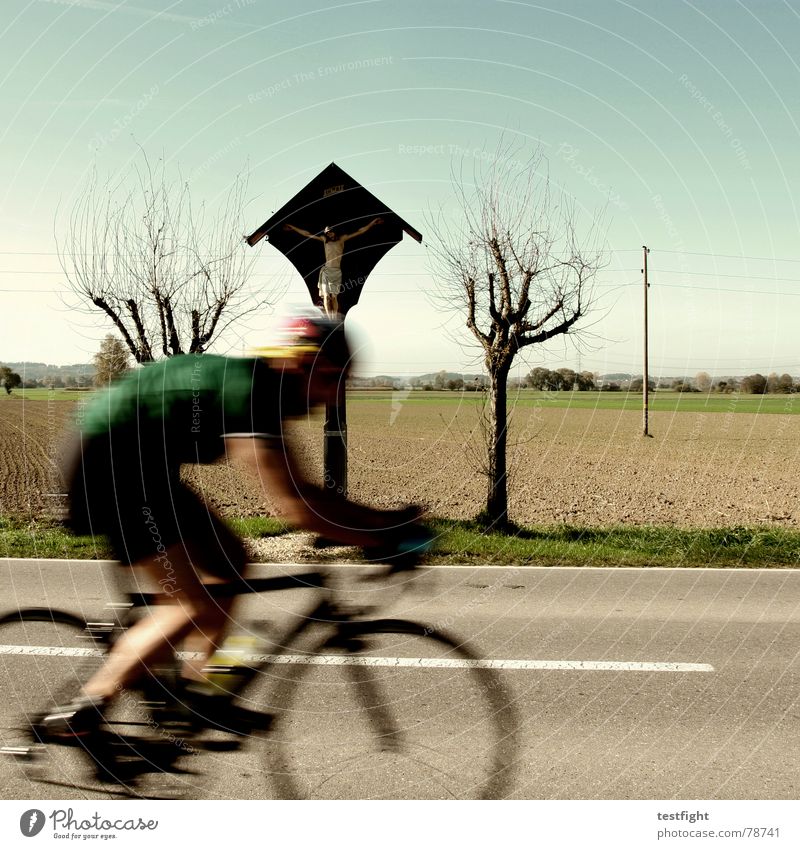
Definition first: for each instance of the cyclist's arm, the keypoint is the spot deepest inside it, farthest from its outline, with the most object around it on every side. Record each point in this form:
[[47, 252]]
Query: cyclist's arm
[[308, 506]]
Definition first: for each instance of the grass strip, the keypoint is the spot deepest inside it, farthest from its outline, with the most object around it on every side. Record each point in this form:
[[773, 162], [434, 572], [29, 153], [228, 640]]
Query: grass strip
[[569, 545], [660, 401], [20, 538], [468, 542]]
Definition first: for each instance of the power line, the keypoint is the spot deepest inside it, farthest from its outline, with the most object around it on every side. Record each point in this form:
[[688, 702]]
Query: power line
[[417, 274], [254, 274], [417, 255], [111, 253], [722, 289], [728, 256], [612, 286], [714, 274]]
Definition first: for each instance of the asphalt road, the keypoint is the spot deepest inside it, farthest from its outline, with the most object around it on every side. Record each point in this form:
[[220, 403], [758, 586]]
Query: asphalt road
[[625, 684]]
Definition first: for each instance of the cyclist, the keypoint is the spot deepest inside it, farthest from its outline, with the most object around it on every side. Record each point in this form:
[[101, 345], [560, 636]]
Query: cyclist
[[125, 483]]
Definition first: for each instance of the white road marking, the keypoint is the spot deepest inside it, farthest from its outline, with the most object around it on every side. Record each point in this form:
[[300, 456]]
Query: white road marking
[[412, 662], [486, 663], [52, 651]]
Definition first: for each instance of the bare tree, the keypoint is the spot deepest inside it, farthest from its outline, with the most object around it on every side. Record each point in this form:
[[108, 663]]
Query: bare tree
[[703, 381], [169, 278], [111, 361], [514, 267]]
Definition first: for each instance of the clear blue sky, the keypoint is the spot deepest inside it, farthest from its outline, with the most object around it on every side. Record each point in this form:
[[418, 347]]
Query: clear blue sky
[[681, 118]]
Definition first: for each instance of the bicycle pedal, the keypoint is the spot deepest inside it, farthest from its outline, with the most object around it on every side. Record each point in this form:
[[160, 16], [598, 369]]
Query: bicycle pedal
[[23, 753], [30, 758]]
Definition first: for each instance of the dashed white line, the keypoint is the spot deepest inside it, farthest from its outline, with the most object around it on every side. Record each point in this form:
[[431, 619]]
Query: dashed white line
[[412, 662], [488, 663], [51, 651]]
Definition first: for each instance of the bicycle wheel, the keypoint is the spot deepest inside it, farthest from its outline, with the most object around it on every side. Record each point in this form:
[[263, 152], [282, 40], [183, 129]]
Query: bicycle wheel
[[45, 656], [392, 710]]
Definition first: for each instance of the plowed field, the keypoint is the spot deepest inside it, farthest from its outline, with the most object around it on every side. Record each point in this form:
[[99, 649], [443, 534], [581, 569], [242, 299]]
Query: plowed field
[[581, 466], [30, 435]]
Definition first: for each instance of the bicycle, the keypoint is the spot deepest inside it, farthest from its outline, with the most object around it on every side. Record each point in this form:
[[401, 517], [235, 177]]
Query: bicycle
[[331, 664]]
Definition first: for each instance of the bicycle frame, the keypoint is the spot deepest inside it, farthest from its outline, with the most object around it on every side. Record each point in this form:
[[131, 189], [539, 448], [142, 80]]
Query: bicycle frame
[[349, 631], [325, 612]]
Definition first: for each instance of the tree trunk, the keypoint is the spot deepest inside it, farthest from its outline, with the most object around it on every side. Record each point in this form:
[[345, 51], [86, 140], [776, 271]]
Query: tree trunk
[[497, 470]]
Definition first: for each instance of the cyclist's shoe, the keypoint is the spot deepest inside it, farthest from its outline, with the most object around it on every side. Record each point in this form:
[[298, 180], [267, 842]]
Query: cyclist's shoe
[[216, 712], [71, 724], [79, 724], [404, 549]]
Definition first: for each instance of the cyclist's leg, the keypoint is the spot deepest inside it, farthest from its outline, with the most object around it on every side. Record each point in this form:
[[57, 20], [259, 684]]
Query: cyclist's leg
[[218, 556], [193, 549], [177, 614]]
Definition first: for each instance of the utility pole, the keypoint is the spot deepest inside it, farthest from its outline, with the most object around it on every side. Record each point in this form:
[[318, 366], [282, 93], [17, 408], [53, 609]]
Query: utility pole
[[645, 387]]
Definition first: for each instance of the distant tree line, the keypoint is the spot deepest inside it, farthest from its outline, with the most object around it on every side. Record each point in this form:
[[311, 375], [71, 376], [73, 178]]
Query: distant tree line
[[441, 380], [110, 362], [568, 380], [565, 379], [751, 384], [451, 381], [11, 380], [562, 379], [34, 375]]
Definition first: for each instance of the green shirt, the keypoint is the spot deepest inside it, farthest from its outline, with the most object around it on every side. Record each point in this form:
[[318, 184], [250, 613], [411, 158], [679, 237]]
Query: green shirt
[[186, 404]]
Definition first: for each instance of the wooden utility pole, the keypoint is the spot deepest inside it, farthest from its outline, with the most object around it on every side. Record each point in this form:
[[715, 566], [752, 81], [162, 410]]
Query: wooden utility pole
[[645, 387]]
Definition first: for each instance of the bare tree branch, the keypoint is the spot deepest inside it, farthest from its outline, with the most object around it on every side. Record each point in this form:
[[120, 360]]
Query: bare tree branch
[[169, 276], [512, 262]]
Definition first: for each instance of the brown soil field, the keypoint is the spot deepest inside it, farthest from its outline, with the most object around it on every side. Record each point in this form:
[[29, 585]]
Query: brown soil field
[[582, 467], [30, 435]]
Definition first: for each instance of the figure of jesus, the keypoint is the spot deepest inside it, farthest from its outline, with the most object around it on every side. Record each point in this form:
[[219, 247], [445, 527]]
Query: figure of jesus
[[330, 275]]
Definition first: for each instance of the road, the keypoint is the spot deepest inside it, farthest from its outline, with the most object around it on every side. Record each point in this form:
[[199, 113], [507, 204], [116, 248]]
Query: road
[[626, 684]]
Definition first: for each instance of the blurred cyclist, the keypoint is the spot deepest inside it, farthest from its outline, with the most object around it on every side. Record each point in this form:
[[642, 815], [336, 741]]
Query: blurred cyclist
[[125, 483]]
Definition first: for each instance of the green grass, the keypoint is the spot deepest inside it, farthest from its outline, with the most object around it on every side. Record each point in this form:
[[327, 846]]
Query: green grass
[[19, 538], [43, 395], [565, 545], [48, 539], [466, 542], [259, 526], [660, 402]]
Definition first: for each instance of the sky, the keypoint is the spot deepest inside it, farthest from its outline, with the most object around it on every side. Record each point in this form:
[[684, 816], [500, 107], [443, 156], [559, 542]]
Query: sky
[[676, 121]]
